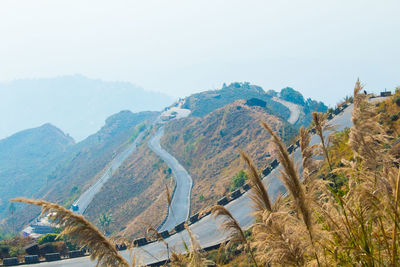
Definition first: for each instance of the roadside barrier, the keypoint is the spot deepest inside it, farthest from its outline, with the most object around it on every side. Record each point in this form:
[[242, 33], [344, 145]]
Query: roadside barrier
[[290, 149], [164, 234], [235, 194], [52, 256], [31, 259], [274, 163], [119, 247], [267, 171], [246, 187], [336, 111], [10, 261], [77, 253], [140, 242], [194, 218], [180, 227], [223, 201]]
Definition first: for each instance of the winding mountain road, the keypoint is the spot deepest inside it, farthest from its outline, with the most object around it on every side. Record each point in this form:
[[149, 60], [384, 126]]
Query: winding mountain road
[[86, 197], [206, 230], [294, 109], [180, 204]]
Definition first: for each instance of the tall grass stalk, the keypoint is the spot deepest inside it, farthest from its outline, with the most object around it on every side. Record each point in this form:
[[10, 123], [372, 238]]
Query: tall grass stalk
[[396, 203], [320, 124], [259, 193], [83, 233], [290, 178], [232, 226]]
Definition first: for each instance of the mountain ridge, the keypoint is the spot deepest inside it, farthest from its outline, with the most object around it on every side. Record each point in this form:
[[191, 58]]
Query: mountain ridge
[[24, 158], [75, 103]]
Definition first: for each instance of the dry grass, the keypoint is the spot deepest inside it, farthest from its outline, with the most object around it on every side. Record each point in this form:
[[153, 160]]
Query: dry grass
[[82, 232], [232, 226], [290, 179], [193, 257], [321, 126], [318, 225], [310, 165], [259, 194]]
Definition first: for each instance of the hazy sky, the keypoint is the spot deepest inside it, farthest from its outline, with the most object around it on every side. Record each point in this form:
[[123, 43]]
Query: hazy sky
[[179, 47]]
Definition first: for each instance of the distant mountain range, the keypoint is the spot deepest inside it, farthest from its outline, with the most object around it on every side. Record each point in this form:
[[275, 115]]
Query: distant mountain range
[[76, 104]]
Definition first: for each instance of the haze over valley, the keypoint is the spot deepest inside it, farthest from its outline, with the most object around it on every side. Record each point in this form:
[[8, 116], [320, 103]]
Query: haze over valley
[[76, 104]]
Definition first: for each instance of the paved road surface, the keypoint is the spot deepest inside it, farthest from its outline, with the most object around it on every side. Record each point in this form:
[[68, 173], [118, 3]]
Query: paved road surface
[[84, 199], [294, 109], [206, 229], [180, 204]]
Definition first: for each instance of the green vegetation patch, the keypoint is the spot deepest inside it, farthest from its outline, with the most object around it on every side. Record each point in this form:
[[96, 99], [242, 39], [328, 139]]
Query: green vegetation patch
[[238, 180], [138, 129]]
